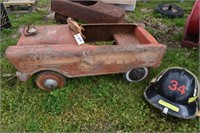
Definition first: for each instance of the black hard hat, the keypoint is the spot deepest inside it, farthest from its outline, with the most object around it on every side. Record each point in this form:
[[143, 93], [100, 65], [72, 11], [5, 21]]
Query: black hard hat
[[175, 91]]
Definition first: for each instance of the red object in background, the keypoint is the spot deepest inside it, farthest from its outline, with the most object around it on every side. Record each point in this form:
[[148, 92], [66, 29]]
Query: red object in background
[[87, 11], [191, 34]]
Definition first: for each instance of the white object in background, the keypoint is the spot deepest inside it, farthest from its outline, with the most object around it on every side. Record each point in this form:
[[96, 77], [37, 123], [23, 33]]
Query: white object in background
[[128, 5], [124, 2]]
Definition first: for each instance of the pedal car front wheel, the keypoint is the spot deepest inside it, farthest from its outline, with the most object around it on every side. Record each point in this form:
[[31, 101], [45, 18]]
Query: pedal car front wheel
[[49, 80], [136, 75]]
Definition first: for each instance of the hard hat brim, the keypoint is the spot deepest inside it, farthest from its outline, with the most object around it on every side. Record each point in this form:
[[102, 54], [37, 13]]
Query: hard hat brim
[[181, 111]]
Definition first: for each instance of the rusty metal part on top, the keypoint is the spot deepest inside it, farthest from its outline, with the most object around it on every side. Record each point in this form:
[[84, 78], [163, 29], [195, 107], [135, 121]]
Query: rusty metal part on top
[[87, 11], [75, 27], [55, 49]]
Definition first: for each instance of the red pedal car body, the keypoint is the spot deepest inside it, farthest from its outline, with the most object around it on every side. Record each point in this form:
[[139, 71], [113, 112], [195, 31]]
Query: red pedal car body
[[53, 53]]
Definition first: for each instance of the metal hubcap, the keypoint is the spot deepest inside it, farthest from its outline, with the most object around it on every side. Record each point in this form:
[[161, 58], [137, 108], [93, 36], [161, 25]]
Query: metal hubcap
[[49, 80], [50, 83]]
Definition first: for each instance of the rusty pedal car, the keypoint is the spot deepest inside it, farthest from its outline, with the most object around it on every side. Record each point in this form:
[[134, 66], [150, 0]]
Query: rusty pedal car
[[87, 11], [53, 53]]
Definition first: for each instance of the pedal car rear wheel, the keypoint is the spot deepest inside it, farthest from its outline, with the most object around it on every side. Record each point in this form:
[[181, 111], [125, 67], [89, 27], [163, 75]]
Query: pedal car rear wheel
[[136, 75], [49, 80], [60, 18]]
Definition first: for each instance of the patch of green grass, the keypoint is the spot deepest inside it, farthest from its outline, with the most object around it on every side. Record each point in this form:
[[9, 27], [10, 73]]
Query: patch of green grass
[[96, 103]]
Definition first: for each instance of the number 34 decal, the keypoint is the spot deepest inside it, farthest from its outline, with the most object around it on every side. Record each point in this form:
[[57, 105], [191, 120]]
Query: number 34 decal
[[174, 86]]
